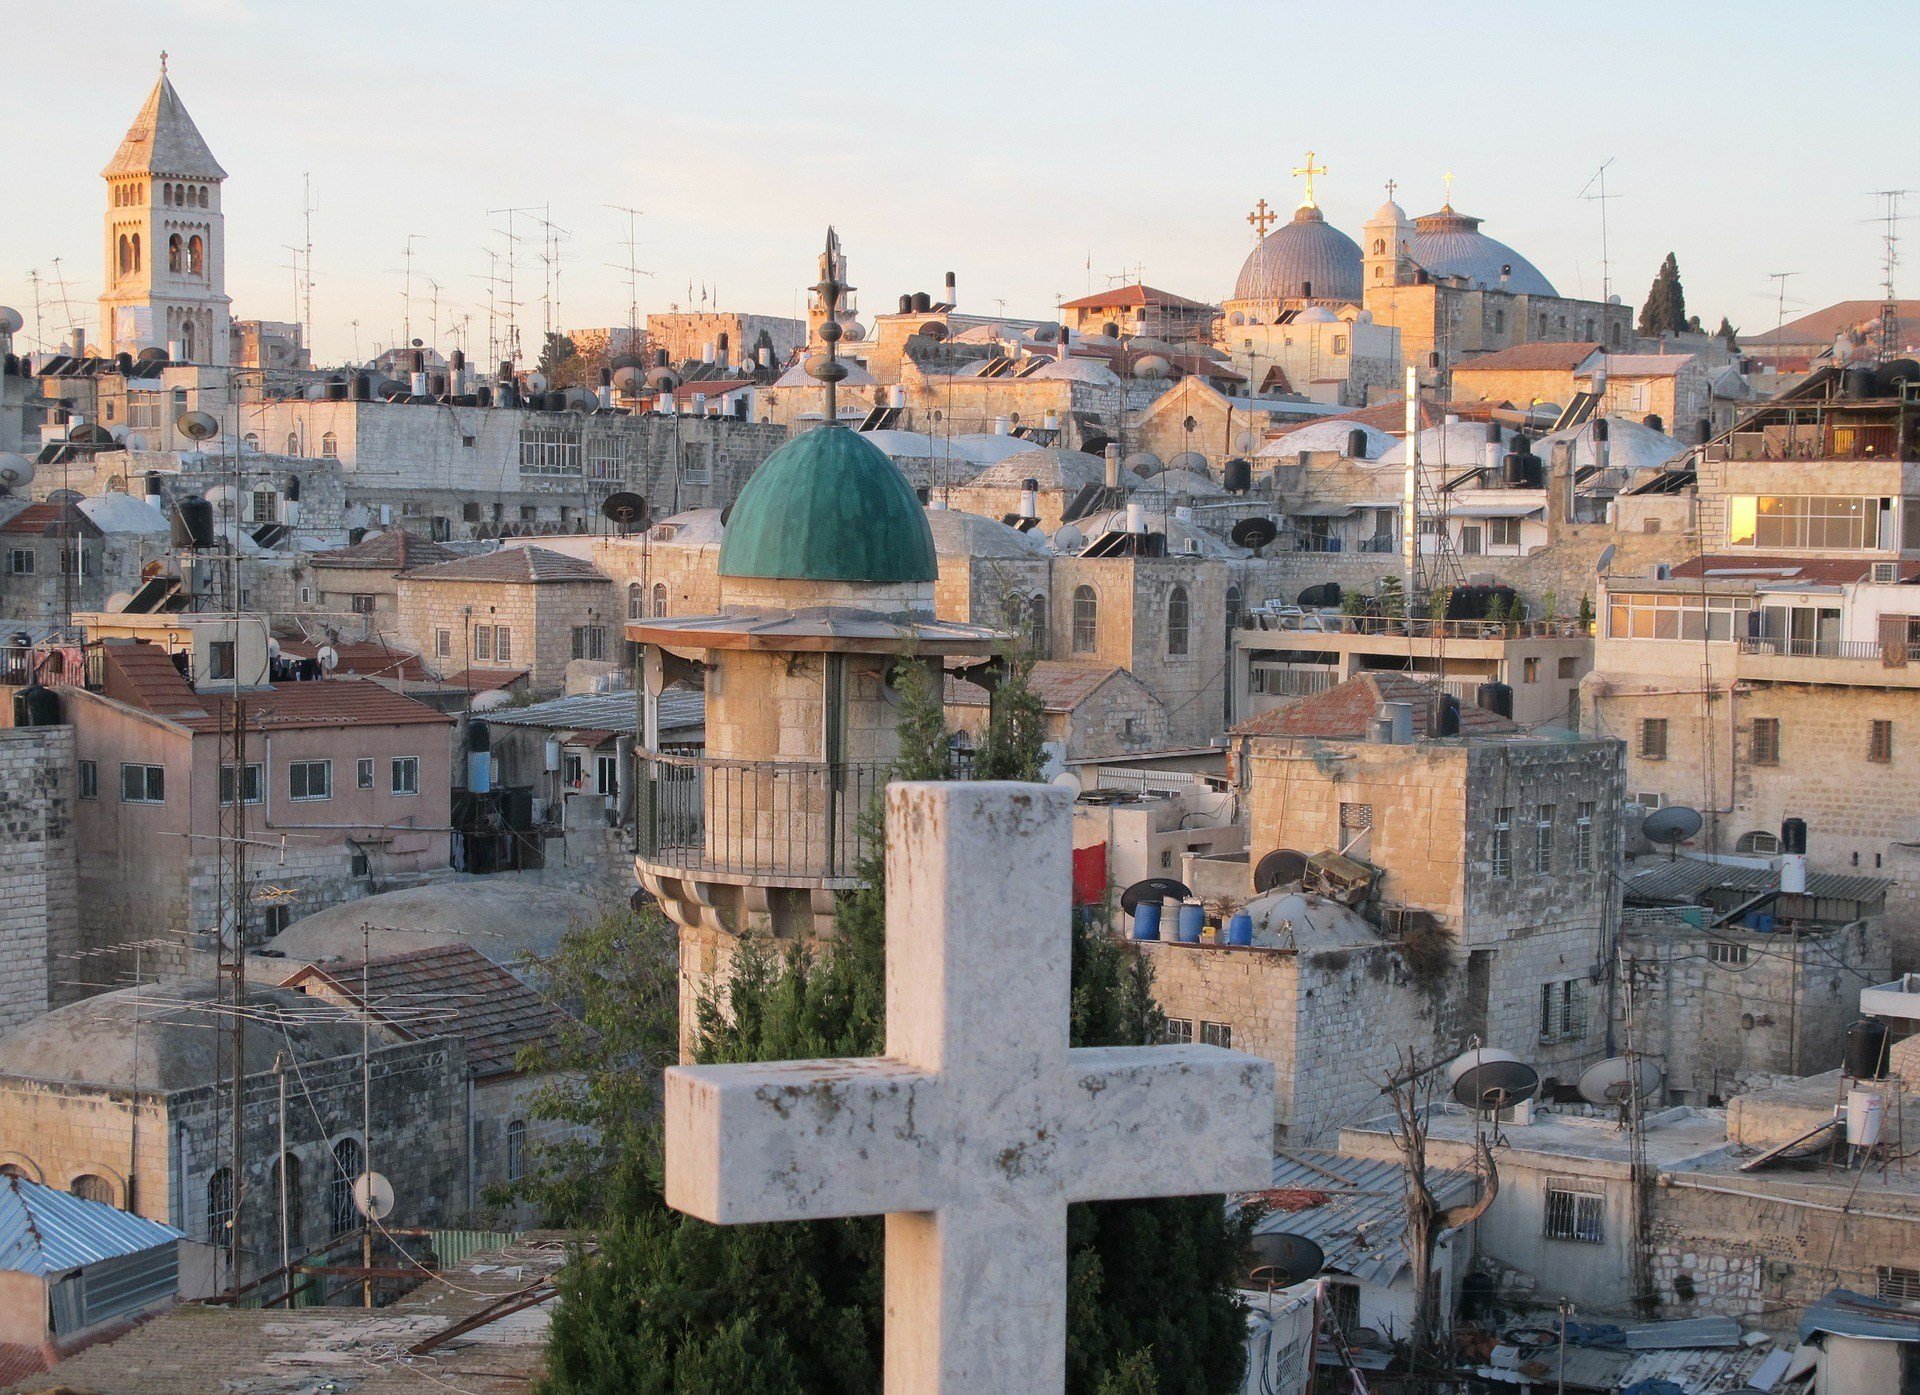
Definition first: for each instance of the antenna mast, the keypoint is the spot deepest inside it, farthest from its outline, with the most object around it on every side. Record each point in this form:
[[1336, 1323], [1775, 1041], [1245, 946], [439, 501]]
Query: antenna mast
[[306, 292], [512, 350], [634, 273], [1600, 196], [1890, 306]]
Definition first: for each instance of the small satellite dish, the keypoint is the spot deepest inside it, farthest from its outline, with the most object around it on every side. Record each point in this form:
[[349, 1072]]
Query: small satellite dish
[[89, 434], [1068, 781], [1605, 561], [221, 496], [536, 382], [1615, 1081], [273, 647], [1490, 1080], [725, 514], [1068, 538], [624, 508], [373, 1196], [135, 440], [1281, 1259], [198, 426], [629, 379], [10, 320], [1674, 824], [15, 470], [1254, 533], [327, 657], [1153, 889], [1281, 867]]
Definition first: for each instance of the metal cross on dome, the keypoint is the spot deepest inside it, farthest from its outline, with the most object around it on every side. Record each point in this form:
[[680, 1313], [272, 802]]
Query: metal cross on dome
[[981, 1123], [1448, 177], [1309, 170], [1262, 218]]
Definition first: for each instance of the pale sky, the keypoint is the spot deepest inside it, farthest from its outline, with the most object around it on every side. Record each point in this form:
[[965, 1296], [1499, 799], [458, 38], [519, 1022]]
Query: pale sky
[[1011, 143]]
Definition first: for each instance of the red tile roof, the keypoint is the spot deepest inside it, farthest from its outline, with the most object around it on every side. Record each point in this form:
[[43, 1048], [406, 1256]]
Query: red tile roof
[[143, 675], [392, 549], [1530, 357], [1822, 325], [1344, 711], [44, 520], [1823, 571], [485, 680], [522, 565], [370, 658], [1135, 294]]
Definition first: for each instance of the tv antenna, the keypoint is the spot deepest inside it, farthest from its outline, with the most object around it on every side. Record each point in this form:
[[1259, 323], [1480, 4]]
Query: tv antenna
[[1890, 239], [512, 341], [1780, 319], [1596, 192], [634, 273], [406, 295], [305, 310]]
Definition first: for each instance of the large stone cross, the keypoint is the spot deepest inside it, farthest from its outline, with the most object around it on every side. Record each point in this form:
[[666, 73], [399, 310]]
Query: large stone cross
[[979, 1125]]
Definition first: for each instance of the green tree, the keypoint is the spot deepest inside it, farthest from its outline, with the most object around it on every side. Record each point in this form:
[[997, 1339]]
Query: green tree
[[1728, 335], [1014, 748], [555, 354], [666, 1303], [1666, 309]]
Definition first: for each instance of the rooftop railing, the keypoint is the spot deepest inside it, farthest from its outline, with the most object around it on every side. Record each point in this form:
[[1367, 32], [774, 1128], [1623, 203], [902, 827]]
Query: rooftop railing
[[1300, 620], [777, 821], [1895, 655]]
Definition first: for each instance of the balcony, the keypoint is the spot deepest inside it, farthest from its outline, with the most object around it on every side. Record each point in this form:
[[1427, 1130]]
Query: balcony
[[776, 823], [1294, 620], [1864, 662], [53, 663]]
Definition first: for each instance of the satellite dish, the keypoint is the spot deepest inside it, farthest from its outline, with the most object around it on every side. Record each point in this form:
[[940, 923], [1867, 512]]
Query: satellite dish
[[221, 496], [536, 382], [1615, 1080], [1281, 867], [629, 379], [1674, 824], [117, 602], [15, 470], [136, 440], [1068, 781], [327, 657], [1605, 561], [1153, 889], [10, 320], [198, 426], [372, 1195], [1254, 533], [725, 514], [273, 647], [1490, 1080], [624, 508], [89, 434], [1068, 538], [1281, 1260]]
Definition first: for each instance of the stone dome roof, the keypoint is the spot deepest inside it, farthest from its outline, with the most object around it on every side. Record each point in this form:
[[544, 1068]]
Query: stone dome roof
[[1055, 467], [1329, 434], [1307, 257], [157, 1036], [957, 533], [1388, 212], [504, 916], [828, 506], [1451, 244]]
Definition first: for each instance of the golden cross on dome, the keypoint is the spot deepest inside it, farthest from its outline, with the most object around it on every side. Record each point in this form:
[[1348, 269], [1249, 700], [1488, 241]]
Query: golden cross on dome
[[1309, 170], [1448, 177], [1262, 218]]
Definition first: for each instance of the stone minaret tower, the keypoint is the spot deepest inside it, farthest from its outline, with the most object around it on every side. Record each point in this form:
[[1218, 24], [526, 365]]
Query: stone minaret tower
[[166, 252]]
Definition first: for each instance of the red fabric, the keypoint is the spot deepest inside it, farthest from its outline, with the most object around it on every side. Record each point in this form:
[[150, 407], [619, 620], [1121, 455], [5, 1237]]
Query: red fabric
[[1090, 875]]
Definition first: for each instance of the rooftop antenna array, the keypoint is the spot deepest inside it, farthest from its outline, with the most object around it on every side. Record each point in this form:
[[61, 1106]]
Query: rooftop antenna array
[[1890, 306], [634, 273], [1596, 192], [510, 348], [1780, 318], [551, 236], [406, 295]]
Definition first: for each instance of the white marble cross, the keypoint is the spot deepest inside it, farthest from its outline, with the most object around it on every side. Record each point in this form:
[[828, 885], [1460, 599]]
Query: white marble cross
[[979, 1125]]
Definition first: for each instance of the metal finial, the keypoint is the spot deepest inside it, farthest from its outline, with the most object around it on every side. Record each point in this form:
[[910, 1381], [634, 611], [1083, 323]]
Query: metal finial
[[826, 367], [163, 62]]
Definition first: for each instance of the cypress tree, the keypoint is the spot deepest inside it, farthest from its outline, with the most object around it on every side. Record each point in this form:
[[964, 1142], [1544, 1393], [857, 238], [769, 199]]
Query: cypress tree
[[1666, 309]]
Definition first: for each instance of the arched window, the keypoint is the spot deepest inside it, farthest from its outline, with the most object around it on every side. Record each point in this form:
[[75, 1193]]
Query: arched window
[[196, 256], [296, 1198], [636, 601], [1499, 322], [1086, 620], [1015, 610], [342, 1214], [293, 443], [90, 1186], [125, 262], [203, 195], [1379, 247], [516, 1150], [329, 446], [220, 1207], [136, 251], [251, 440], [1037, 625], [1179, 617], [1233, 608], [1758, 842], [166, 195], [659, 600], [13, 1169], [173, 252]]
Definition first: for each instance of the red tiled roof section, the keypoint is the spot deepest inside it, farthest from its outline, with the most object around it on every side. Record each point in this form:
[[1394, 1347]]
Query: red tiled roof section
[[1061, 687], [143, 676], [485, 680], [1133, 295], [1825, 571], [367, 658], [394, 549], [1523, 357], [44, 520], [454, 990], [524, 565], [1344, 711], [1821, 326]]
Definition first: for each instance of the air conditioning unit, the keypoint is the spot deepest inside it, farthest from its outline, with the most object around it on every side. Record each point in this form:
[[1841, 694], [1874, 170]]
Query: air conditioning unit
[[1886, 571]]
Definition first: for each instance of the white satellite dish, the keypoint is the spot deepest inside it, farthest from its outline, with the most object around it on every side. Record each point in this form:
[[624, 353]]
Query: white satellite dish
[[1616, 1080], [1068, 781], [15, 470], [10, 320], [373, 1196], [327, 657], [1068, 538]]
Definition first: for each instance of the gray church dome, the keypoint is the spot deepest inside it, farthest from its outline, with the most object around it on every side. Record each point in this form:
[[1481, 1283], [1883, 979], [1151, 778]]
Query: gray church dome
[[1307, 258], [1451, 244]]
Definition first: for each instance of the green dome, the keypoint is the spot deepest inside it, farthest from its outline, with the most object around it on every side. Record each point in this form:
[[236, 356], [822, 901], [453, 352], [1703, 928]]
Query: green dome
[[828, 506]]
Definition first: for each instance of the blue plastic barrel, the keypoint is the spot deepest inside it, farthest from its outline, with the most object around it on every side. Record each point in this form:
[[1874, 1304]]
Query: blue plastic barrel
[[1146, 920], [1240, 929], [1764, 922], [1193, 919]]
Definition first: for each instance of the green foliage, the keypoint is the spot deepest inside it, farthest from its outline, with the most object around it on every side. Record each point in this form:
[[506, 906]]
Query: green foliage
[[1728, 335], [1497, 609], [556, 351], [1353, 603], [1016, 726], [1550, 605], [1586, 610], [1437, 600], [1666, 309]]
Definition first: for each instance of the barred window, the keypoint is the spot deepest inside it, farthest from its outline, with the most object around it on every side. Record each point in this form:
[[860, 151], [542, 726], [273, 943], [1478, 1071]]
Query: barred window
[[695, 462], [220, 1207], [1653, 738], [1216, 1034], [1086, 620], [1583, 837], [589, 642], [342, 1214], [1543, 839], [1576, 1212], [1563, 1010], [1880, 743], [549, 450], [606, 457], [1766, 741], [1897, 1282], [1502, 850], [1179, 1031]]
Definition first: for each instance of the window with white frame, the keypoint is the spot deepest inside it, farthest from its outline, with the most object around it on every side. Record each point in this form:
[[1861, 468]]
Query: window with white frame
[[1583, 837], [443, 643], [1543, 839], [1838, 521], [696, 462], [143, 784], [1216, 1034], [606, 774], [1897, 1282], [1660, 616], [253, 784], [363, 773], [1501, 851], [1179, 1031], [405, 773], [483, 644], [21, 561], [549, 450], [1563, 1010], [606, 457], [1576, 1210], [1503, 532], [502, 644], [310, 779], [1726, 952]]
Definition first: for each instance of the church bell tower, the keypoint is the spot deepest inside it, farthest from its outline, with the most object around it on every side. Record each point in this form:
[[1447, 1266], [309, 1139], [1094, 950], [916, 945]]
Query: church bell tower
[[166, 241], [1385, 244]]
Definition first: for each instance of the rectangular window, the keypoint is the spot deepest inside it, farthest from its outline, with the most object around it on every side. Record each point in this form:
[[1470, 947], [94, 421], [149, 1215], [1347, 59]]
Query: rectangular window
[[1898, 1283], [220, 659], [1726, 952], [253, 784], [1647, 799], [20, 561], [1766, 741], [502, 644], [1583, 837], [443, 644], [1880, 743], [1653, 738], [1216, 1034], [266, 506], [72, 557], [606, 774], [406, 775], [310, 779], [1503, 532], [1180, 1031], [483, 644], [549, 450], [1576, 1212], [1566, 667], [694, 465], [361, 604], [1343, 1307], [363, 773], [1529, 670], [274, 919], [1665, 616], [89, 779], [1502, 852], [589, 642], [1563, 1010], [573, 769], [1543, 840], [143, 784], [1838, 522]]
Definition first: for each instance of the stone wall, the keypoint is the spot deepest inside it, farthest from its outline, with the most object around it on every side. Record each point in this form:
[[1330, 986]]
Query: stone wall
[[39, 908], [540, 618], [54, 1133]]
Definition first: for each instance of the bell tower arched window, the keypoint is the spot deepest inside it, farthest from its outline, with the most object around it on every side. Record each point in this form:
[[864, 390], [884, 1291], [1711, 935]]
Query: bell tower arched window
[[174, 248], [196, 256]]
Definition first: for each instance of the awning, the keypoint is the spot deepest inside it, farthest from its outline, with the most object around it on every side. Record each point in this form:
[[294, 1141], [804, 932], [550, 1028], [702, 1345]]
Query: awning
[[1494, 510], [1321, 510]]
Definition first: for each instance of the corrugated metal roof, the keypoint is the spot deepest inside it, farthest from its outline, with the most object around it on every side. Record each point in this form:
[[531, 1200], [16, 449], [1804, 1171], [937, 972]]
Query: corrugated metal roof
[[1849, 1314], [1687, 878], [47, 1232], [1361, 1223], [1697, 1370]]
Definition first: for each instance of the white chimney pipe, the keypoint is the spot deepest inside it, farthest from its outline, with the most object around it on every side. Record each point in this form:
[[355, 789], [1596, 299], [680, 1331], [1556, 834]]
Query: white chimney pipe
[[1029, 503], [1137, 518], [419, 384], [1001, 426]]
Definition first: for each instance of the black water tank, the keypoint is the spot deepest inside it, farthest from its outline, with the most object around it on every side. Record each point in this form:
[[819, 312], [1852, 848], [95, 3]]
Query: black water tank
[[906, 304], [36, 706], [1357, 444], [1897, 371], [1793, 836], [922, 302], [479, 738], [1496, 698], [1237, 477], [123, 362], [483, 396], [193, 523], [336, 390], [1320, 597], [1446, 718], [1513, 469], [1866, 1054], [361, 388]]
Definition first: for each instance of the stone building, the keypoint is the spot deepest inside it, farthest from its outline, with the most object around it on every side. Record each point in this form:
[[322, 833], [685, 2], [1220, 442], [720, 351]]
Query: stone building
[[1092, 712], [727, 337], [39, 910], [356, 589], [125, 1098], [1140, 309], [516, 610]]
